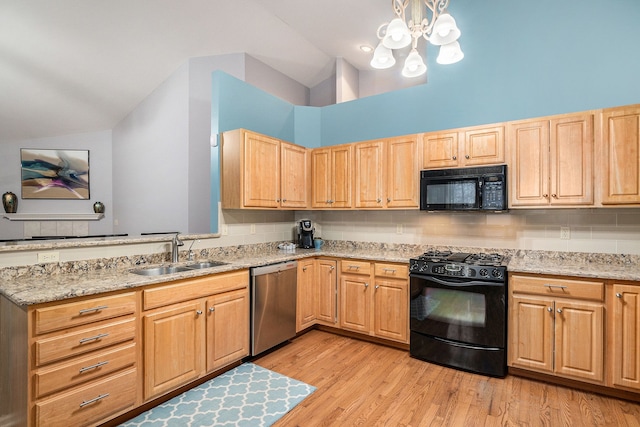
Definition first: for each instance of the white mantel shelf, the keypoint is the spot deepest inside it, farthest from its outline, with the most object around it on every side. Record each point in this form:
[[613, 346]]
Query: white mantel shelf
[[53, 216]]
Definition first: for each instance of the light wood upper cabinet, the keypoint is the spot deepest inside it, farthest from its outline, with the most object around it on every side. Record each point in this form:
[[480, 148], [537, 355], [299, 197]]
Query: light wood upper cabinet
[[624, 336], [331, 177], [472, 146], [369, 174], [551, 161], [403, 173], [620, 153], [295, 176], [386, 173], [261, 172]]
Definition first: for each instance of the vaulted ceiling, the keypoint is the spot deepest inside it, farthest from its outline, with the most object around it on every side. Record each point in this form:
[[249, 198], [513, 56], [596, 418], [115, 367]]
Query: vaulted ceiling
[[69, 66]]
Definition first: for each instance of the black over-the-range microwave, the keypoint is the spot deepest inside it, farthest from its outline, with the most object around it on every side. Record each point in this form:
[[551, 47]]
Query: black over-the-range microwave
[[464, 189]]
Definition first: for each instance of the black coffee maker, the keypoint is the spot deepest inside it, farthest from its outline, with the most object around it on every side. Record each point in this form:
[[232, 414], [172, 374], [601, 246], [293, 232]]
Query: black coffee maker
[[305, 234]]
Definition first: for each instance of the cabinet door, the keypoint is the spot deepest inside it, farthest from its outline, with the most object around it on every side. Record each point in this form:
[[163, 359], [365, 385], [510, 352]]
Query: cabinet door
[[321, 178], [294, 176], [571, 160], [483, 146], [355, 303], [390, 309], [579, 333], [327, 292], [528, 174], [261, 171], [625, 336], [306, 294], [621, 155], [173, 350], [531, 333], [439, 150], [369, 175], [341, 176], [227, 328], [403, 174]]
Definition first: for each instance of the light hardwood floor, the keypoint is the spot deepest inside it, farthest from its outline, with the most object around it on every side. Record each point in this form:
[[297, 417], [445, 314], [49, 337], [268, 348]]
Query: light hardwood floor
[[365, 384]]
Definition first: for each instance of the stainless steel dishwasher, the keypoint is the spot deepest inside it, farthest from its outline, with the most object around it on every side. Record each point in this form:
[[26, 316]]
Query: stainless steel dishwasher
[[273, 305]]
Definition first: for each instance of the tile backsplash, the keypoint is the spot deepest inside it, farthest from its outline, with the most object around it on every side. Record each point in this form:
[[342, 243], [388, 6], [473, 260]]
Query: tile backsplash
[[601, 230]]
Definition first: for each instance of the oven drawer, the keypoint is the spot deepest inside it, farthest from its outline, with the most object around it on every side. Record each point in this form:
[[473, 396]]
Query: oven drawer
[[397, 271], [558, 287], [355, 267]]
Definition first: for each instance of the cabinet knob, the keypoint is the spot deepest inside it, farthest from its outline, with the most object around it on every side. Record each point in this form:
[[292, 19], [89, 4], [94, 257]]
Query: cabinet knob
[[559, 310], [549, 309], [284, 200], [332, 268], [618, 295], [212, 309], [466, 156], [304, 268], [388, 199], [379, 200], [377, 286], [278, 200], [198, 312], [366, 285], [545, 195], [455, 157], [555, 196]]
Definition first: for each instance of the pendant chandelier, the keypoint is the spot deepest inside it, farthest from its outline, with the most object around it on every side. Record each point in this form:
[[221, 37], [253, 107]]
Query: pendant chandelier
[[441, 30]]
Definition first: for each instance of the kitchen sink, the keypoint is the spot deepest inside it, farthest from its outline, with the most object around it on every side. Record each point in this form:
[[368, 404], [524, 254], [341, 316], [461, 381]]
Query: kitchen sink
[[170, 269], [205, 264], [159, 271]]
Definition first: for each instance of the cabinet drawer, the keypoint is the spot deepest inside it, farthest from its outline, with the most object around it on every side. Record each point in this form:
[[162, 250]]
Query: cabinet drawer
[[190, 289], [81, 370], [64, 316], [49, 350], [398, 271], [90, 404], [556, 287], [355, 267]]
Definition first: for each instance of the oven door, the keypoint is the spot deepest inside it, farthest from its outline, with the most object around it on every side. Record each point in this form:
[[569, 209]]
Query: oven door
[[462, 310]]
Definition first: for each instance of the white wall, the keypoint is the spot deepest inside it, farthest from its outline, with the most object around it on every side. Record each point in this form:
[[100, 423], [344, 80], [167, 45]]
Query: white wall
[[100, 175], [262, 76], [347, 85]]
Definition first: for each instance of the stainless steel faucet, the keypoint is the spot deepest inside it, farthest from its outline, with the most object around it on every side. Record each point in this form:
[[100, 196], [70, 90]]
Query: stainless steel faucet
[[174, 247]]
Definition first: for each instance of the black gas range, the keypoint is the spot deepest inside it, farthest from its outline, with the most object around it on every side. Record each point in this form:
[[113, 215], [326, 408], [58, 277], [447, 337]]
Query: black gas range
[[458, 307], [484, 266]]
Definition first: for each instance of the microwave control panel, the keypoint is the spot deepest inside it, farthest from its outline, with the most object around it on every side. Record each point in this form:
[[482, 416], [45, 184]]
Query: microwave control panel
[[493, 194]]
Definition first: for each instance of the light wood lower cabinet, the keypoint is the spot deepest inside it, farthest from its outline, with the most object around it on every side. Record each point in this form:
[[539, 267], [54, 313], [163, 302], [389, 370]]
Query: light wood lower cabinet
[[624, 335], [184, 341], [317, 293], [374, 299], [556, 326]]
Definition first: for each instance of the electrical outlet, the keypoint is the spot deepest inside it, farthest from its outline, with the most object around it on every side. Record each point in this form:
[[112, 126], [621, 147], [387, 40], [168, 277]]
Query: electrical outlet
[[44, 257], [253, 229], [225, 230], [565, 233], [399, 229]]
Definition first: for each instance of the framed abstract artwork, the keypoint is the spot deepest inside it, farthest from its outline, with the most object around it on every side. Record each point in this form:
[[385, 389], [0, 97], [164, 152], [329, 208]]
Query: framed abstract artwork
[[55, 174]]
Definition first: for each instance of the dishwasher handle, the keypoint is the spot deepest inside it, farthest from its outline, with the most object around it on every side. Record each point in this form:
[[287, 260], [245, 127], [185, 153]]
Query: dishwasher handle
[[274, 268]]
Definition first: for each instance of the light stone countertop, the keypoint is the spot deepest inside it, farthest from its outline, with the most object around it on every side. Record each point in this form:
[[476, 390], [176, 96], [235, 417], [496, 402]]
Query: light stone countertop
[[37, 284]]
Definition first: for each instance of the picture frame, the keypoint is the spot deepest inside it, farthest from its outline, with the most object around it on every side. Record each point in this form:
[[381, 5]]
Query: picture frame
[[54, 174]]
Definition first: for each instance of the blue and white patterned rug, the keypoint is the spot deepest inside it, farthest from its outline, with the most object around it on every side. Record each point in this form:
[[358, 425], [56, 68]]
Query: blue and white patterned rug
[[247, 396]]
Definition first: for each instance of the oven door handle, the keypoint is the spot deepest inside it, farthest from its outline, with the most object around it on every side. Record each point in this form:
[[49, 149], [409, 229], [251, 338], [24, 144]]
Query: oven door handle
[[463, 284]]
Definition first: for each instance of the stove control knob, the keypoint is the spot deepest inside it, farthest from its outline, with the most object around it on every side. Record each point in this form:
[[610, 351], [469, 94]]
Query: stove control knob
[[414, 267], [484, 272], [496, 273]]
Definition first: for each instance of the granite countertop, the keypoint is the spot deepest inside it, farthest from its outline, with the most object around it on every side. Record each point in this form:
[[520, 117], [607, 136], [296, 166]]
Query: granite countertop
[[33, 289], [37, 284]]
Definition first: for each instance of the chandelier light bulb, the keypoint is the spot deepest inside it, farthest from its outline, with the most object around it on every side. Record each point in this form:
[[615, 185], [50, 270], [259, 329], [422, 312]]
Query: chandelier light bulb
[[414, 66], [450, 53], [398, 35], [445, 30], [382, 58]]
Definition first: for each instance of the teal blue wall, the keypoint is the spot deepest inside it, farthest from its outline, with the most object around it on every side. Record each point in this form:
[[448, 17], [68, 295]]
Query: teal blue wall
[[522, 59]]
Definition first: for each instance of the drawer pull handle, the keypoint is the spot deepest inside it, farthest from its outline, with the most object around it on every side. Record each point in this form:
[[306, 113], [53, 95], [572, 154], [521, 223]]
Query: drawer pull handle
[[93, 310], [97, 365], [389, 270], [618, 295], [94, 338], [555, 286], [355, 267], [95, 399]]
